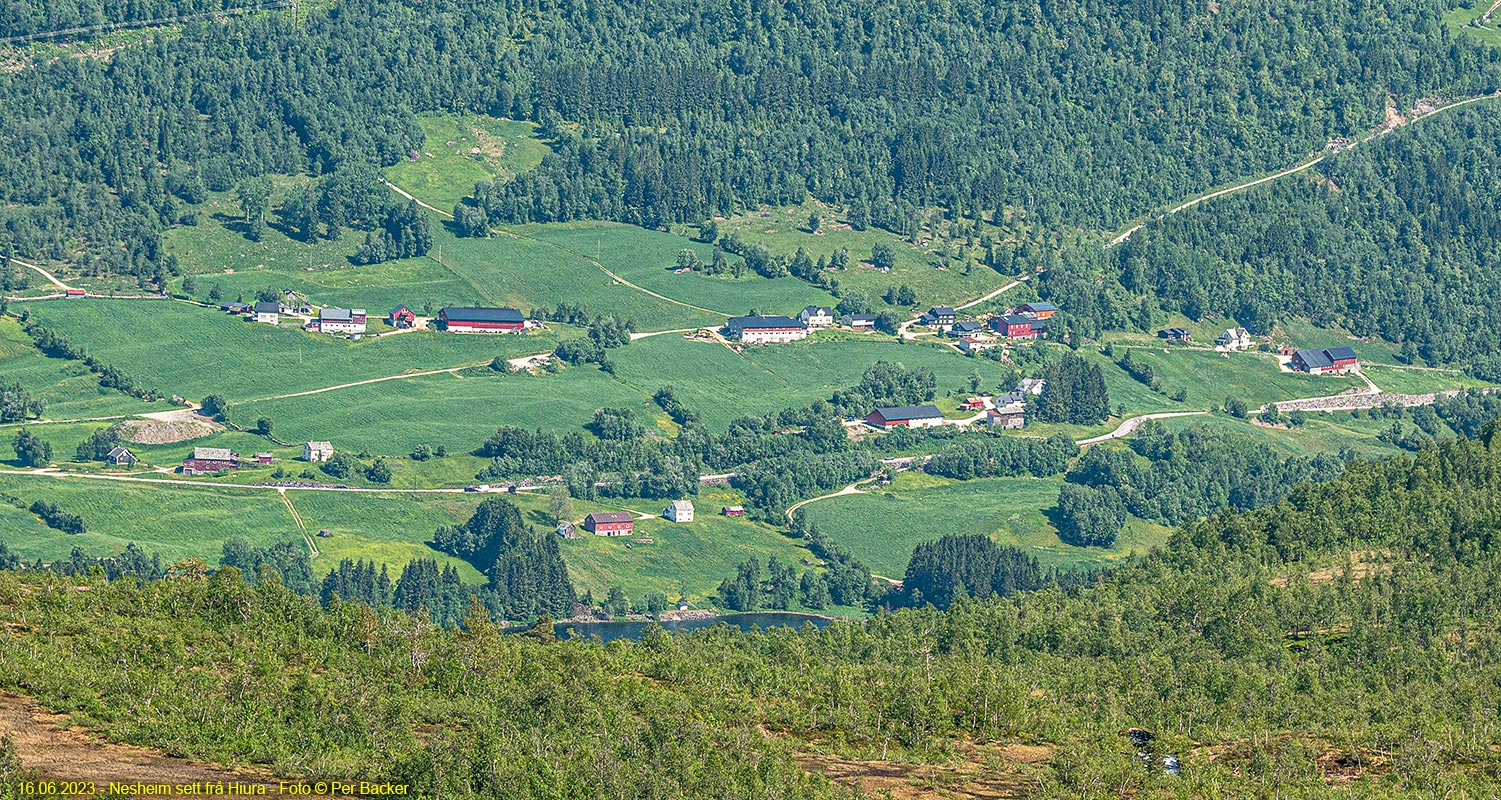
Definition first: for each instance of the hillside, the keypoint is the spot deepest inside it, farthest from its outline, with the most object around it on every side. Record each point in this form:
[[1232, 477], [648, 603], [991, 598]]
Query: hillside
[[1339, 641]]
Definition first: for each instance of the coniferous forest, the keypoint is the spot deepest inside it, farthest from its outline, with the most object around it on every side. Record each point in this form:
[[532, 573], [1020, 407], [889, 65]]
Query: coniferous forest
[[1078, 113]]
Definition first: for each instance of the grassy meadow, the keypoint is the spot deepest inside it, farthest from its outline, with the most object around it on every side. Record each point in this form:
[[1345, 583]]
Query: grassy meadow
[[459, 150], [883, 526], [784, 230], [68, 388], [648, 259], [213, 352]]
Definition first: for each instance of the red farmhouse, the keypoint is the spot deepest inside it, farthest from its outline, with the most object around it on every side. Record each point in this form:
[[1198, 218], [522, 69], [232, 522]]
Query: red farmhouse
[[609, 523], [481, 320], [1019, 326], [402, 317]]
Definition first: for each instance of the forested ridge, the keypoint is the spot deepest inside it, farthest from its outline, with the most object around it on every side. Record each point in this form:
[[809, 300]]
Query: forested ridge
[[1347, 631], [1398, 239], [1078, 113]]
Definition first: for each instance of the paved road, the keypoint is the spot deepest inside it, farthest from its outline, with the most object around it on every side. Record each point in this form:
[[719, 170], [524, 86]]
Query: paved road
[[1129, 426]]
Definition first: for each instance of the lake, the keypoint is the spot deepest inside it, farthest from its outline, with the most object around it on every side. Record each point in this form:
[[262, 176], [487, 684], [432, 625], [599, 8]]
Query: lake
[[632, 629]]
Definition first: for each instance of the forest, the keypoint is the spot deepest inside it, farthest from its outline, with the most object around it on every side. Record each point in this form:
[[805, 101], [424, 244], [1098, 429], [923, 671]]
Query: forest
[[1340, 638], [1397, 239], [1080, 113]]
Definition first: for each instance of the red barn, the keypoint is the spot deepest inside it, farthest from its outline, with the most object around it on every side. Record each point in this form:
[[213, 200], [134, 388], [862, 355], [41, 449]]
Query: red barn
[[481, 320], [609, 523], [402, 317], [1018, 326], [925, 416], [733, 511], [209, 460]]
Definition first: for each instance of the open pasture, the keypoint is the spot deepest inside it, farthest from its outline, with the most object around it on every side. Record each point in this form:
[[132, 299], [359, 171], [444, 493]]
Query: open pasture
[[183, 349], [648, 259], [883, 526], [459, 150]]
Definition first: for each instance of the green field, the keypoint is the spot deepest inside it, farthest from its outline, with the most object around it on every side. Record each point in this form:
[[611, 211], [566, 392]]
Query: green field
[[179, 522], [1322, 433], [784, 230], [882, 527], [647, 258], [1401, 380], [1458, 20], [68, 388], [460, 411], [219, 353], [458, 151], [1210, 377]]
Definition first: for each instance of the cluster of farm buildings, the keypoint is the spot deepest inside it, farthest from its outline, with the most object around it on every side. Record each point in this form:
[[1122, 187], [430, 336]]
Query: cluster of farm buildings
[[215, 460], [352, 321], [1027, 321], [1314, 361], [621, 523]]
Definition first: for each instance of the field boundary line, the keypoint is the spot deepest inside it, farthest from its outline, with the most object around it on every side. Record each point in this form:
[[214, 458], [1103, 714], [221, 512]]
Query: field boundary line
[[297, 518]]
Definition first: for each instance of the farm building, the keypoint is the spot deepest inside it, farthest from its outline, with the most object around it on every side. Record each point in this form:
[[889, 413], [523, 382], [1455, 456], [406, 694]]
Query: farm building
[[1038, 309], [1019, 326], [71, 293], [610, 523], [1010, 412], [817, 317], [940, 317], [1176, 334], [262, 458], [401, 317], [481, 320], [924, 416], [978, 342], [341, 320], [1032, 386], [965, 327], [237, 308], [121, 457], [317, 451], [858, 321], [733, 511], [567, 531], [1234, 339], [1325, 361], [269, 313], [760, 330], [679, 511], [972, 404], [209, 460]]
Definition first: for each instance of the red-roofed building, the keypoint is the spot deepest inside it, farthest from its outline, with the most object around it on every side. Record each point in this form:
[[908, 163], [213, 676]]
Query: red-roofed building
[[610, 523]]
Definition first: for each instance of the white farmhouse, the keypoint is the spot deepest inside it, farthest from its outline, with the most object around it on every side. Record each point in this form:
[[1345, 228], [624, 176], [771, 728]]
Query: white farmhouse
[[317, 451], [679, 511]]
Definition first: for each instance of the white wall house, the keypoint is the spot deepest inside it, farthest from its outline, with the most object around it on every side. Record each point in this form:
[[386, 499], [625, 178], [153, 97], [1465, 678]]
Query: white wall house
[[679, 511]]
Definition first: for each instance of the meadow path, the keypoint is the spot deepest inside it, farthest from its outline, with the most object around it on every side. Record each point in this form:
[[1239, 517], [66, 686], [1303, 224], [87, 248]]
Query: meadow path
[[45, 274]]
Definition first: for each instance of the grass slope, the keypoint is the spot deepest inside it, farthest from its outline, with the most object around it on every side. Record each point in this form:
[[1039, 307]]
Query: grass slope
[[68, 388], [648, 258], [242, 360], [882, 527], [460, 150]]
